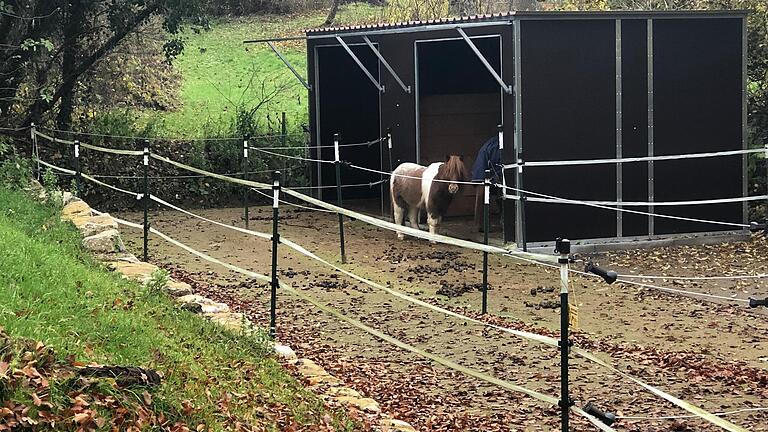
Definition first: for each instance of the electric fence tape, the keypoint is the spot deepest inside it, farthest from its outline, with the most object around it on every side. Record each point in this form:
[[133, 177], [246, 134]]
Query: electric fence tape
[[635, 159], [369, 219], [522, 334], [333, 312]]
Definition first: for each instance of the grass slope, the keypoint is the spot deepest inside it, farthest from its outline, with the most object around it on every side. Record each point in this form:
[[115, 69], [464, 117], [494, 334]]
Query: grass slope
[[217, 67], [54, 293]]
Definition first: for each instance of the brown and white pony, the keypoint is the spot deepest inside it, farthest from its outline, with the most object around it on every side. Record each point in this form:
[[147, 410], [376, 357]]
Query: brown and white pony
[[414, 187]]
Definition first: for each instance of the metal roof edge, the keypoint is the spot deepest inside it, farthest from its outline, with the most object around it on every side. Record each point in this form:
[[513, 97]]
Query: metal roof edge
[[492, 19]]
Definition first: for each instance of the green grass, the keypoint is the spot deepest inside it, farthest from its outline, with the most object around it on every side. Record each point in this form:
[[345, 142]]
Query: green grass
[[53, 292], [217, 67]]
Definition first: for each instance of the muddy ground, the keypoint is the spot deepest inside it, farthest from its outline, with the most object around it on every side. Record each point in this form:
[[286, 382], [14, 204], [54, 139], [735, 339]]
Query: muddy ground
[[712, 354]]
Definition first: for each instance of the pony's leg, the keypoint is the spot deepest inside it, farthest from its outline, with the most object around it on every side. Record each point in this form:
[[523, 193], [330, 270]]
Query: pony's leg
[[399, 216], [413, 216], [433, 221]]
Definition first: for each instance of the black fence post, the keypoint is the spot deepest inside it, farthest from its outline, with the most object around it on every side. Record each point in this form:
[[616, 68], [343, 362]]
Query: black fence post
[[35, 150], [765, 218], [245, 166], [503, 181], [389, 149], [563, 247], [275, 242], [284, 139], [78, 173], [486, 228], [523, 199], [337, 164], [145, 200]]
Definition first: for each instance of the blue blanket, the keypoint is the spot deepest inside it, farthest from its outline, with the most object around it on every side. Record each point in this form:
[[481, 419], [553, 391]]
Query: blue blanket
[[489, 157]]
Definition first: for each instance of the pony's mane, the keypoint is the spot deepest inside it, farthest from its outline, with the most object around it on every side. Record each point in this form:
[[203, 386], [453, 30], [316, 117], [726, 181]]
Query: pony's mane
[[452, 169]]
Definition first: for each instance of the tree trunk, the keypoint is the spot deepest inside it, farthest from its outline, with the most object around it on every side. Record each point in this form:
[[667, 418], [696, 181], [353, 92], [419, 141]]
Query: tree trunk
[[81, 67], [74, 21], [332, 13]]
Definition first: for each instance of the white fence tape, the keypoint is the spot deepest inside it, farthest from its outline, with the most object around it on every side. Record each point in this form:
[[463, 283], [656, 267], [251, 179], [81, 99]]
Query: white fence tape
[[331, 311], [522, 334], [369, 219], [90, 146], [635, 159], [651, 204], [561, 200]]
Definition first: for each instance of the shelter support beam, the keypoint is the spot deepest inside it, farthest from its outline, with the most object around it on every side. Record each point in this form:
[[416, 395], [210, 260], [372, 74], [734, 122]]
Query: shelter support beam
[[507, 88], [386, 64], [289, 65], [619, 132], [360, 64], [518, 136], [651, 194]]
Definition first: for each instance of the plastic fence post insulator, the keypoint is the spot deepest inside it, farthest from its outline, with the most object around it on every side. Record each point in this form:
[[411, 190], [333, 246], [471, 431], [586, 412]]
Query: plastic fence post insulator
[[275, 243], [501, 138], [336, 148], [389, 140]]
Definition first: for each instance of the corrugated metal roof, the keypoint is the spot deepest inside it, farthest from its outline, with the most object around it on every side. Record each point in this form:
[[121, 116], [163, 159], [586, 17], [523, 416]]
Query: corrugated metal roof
[[382, 26], [490, 18]]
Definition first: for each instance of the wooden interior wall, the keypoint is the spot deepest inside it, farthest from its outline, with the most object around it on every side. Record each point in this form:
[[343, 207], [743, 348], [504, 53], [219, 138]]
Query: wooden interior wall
[[457, 124]]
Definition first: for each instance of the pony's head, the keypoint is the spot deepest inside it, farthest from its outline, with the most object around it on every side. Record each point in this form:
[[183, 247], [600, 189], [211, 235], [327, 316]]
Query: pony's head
[[453, 170]]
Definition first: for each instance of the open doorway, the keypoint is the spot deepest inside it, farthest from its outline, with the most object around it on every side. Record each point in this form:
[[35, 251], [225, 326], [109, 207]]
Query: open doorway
[[459, 103]]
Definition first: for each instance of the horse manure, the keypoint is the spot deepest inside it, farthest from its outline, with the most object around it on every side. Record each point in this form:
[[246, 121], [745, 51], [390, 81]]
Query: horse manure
[[544, 304], [455, 290], [543, 290]]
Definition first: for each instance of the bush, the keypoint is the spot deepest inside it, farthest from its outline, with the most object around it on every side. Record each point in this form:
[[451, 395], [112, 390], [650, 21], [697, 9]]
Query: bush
[[256, 7], [15, 170]]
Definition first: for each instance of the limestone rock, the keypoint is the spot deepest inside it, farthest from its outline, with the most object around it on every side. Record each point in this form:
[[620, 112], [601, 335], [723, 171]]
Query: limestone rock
[[94, 224], [106, 242], [207, 306], [308, 368], [392, 425], [76, 209], [343, 392], [323, 380], [138, 271], [175, 288], [363, 404], [232, 321], [285, 352], [124, 257]]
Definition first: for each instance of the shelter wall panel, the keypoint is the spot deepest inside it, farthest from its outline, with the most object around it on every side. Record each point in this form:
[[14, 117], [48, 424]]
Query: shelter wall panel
[[569, 112], [698, 108], [634, 74], [398, 108], [349, 105]]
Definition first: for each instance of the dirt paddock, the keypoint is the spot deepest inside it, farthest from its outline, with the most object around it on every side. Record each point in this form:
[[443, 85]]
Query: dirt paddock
[[714, 355]]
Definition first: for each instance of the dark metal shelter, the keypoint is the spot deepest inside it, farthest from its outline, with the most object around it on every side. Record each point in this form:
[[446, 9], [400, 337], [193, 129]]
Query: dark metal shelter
[[563, 86]]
